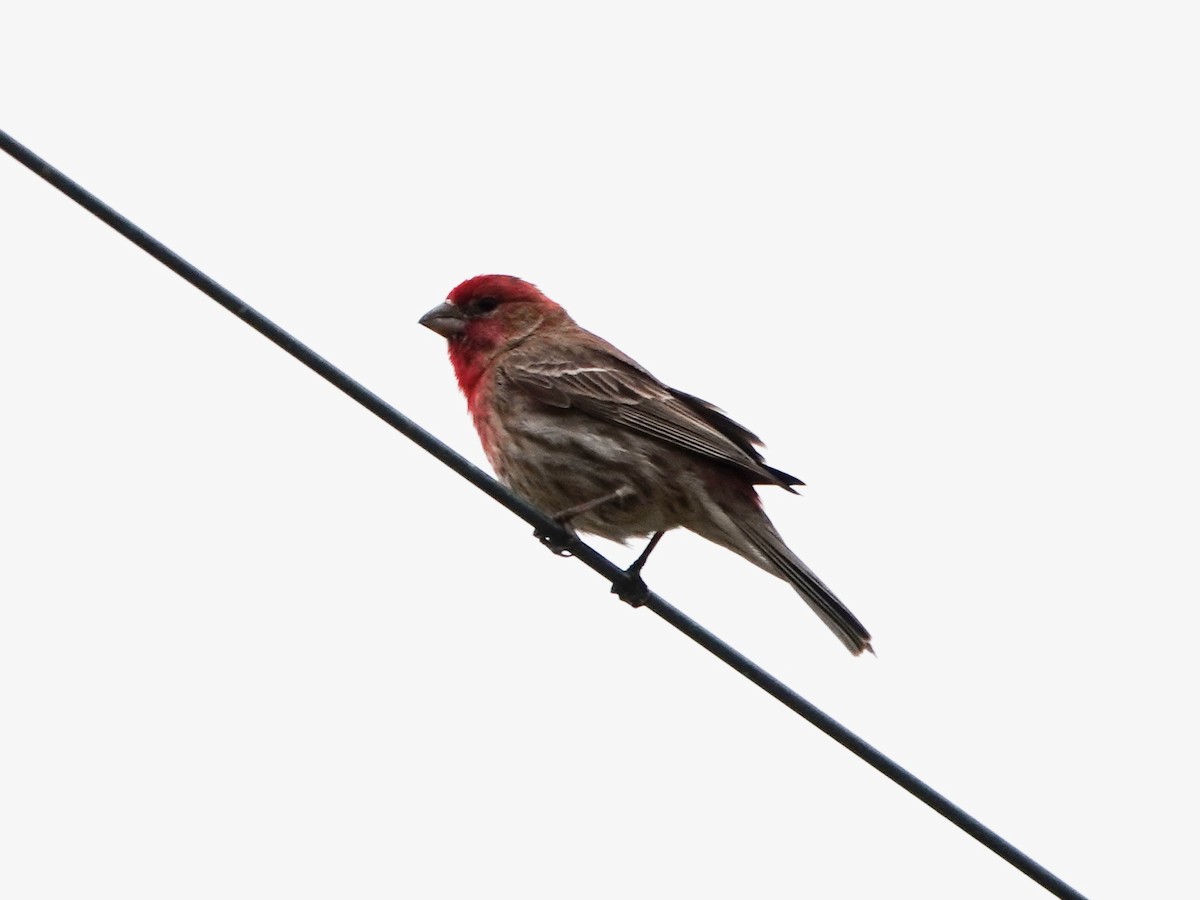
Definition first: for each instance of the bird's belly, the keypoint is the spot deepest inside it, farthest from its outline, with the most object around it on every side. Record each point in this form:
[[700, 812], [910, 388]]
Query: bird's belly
[[557, 468]]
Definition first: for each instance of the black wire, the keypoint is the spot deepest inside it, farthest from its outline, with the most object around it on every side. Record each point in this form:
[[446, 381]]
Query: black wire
[[621, 582]]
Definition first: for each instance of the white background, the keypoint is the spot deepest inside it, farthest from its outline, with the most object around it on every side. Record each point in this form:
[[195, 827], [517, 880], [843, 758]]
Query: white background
[[941, 256]]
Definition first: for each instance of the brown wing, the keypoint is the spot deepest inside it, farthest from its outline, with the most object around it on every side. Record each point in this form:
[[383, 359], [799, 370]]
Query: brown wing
[[608, 385]]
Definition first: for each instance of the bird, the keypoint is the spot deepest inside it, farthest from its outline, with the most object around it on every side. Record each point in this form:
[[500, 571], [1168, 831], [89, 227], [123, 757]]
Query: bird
[[587, 435]]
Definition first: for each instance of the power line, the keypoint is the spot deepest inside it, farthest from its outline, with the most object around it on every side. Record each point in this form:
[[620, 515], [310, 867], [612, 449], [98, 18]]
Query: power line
[[622, 583]]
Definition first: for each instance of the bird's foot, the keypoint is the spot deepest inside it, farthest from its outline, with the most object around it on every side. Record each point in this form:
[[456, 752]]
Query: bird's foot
[[632, 589], [556, 544]]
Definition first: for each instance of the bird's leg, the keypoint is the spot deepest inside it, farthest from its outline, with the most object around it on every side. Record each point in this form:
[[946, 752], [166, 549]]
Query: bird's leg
[[563, 548], [635, 570], [634, 590]]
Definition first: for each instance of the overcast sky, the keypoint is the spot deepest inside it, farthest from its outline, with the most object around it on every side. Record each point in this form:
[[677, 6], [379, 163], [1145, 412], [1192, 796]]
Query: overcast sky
[[941, 256]]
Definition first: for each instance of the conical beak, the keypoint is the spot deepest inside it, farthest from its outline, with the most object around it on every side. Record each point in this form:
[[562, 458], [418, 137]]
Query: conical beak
[[446, 319]]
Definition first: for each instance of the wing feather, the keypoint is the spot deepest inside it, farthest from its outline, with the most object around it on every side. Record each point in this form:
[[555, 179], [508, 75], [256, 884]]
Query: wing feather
[[610, 386]]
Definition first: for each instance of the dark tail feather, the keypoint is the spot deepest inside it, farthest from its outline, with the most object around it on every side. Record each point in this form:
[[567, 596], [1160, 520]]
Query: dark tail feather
[[783, 479], [788, 566]]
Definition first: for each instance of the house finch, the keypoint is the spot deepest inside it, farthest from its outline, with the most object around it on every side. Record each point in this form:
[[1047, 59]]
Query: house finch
[[585, 434]]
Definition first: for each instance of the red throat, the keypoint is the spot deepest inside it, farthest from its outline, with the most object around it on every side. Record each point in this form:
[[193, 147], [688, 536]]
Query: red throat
[[469, 368]]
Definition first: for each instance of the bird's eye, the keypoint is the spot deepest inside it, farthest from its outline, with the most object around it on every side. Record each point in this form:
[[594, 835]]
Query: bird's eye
[[484, 305]]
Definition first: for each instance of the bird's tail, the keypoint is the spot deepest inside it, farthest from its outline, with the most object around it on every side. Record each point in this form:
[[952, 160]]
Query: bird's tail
[[762, 536]]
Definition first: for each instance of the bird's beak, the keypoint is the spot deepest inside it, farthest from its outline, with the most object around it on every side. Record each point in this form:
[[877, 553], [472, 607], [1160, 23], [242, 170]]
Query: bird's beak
[[446, 319]]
